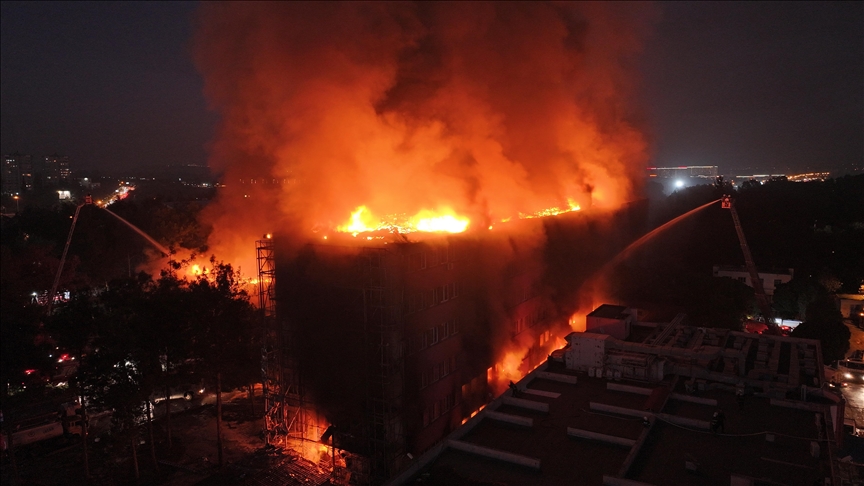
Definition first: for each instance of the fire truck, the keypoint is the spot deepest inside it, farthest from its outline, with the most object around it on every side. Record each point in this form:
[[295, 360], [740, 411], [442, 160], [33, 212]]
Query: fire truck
[[65, 422]]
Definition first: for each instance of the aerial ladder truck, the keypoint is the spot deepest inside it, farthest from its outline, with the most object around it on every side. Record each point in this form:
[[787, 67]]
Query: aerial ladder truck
[[726, 202]]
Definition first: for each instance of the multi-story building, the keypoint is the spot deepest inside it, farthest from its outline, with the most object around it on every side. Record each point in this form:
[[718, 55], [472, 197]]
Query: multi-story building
[[672, 178], [685, 171], [385, 346], [770, 279], [55, 170], [17, 173]]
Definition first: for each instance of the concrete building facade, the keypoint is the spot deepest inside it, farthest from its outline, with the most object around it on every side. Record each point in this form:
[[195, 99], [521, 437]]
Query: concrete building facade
[[395, 341], [770, 279]]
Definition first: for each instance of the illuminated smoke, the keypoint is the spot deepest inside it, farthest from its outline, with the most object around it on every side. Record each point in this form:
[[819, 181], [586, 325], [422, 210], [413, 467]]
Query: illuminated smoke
[[489, 110]]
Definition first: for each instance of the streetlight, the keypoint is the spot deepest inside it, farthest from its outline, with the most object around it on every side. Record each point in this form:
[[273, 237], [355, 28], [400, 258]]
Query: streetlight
[[16, 198]]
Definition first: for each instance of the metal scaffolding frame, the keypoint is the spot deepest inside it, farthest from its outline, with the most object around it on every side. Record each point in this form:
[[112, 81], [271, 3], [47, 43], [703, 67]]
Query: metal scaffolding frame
[[288, 416], [382, 299], [271, 345]]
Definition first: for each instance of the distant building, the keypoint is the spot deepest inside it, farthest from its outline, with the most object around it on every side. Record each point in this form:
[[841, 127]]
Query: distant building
[[701, 171], [17, 175], [770, 280], [852, 306], [55, 170], [673, 178]]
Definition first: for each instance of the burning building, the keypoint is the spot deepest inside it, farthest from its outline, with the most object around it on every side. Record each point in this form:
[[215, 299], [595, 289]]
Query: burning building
[[408, 158], [395, 341]]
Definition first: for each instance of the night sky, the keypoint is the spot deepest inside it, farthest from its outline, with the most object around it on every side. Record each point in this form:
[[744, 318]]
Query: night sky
[[758, 87]]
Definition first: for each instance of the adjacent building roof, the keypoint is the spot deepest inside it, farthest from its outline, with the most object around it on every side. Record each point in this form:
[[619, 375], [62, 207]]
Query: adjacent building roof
[[609, 311], [569, 427]]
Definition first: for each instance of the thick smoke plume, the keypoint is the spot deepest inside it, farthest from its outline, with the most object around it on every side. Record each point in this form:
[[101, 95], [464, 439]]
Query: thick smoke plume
[[488, 110]]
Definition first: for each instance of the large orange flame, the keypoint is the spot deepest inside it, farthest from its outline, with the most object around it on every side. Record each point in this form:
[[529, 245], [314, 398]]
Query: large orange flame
[[443, 221]]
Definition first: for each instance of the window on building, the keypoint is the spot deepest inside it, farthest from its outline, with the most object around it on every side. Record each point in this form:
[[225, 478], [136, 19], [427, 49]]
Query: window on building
[[437, 372], [417, 343], [417, 261], [412, 303], [452, 327], [432, 258], [449, 401], [432, 335], [427, 416]]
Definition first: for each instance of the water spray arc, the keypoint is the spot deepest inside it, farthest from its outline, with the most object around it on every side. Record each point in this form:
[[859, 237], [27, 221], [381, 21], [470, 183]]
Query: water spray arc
[[147, 237], [88, 201], [626, 252]]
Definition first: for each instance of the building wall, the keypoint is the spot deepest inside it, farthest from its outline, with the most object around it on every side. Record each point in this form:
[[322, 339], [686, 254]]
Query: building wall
[[17, 175], [464, 302], [770, 281]]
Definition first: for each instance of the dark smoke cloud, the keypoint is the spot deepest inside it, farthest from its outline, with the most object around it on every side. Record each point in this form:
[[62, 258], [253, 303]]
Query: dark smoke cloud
[[486, 109]]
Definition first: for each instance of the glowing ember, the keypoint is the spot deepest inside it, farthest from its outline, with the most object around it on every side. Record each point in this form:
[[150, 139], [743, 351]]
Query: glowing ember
[[444, 221], [571, 206]]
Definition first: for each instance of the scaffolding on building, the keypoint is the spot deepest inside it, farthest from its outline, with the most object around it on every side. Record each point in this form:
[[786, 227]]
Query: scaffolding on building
[[271, 348], [384, 343], [291, 421]]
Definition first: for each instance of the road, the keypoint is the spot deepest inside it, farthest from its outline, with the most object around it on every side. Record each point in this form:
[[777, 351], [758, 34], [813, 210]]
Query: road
[[854, 393]]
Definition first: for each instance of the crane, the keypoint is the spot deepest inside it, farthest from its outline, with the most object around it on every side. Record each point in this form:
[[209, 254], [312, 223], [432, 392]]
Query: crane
[[726, 202]]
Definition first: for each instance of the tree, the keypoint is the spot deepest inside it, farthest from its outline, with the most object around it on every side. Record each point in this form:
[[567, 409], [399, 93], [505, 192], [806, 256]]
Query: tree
[[790, 300], [825, 323], [113, 382], [225, 333], [121, 371], [75, 325]]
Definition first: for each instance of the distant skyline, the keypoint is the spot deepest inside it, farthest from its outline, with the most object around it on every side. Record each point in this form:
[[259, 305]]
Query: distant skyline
[[760, 87]]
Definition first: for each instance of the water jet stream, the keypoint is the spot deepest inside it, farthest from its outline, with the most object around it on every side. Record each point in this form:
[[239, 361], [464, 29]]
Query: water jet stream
[[626, 252], [593, 283], [161, 248]]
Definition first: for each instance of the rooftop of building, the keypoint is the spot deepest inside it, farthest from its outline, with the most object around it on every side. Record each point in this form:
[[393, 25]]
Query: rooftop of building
[[609, 311], [569, 427], [741, 268]]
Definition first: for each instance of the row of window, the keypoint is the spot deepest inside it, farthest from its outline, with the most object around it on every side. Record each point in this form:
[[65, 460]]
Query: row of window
[[432, 336], [544, 338], [521, 323], [438, 408], [429, 298], [431, 258], [436, 372]]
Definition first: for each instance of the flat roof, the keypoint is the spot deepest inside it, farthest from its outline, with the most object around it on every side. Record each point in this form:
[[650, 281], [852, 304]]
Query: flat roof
[[764, 438], [609, 311]]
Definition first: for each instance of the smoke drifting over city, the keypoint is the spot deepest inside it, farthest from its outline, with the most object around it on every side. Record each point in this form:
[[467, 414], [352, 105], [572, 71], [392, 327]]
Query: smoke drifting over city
[[477, 109]]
